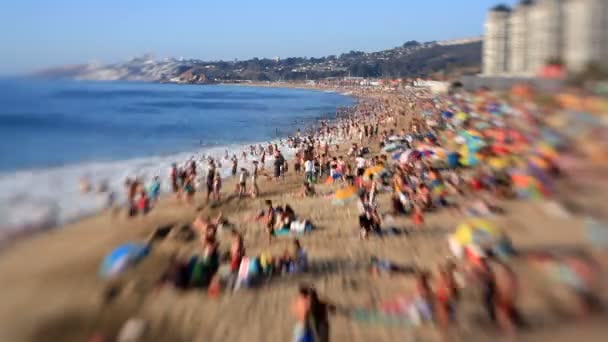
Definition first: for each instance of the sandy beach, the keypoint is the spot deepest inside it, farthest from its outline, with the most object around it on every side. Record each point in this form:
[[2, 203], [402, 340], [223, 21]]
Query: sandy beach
[[51, 290]]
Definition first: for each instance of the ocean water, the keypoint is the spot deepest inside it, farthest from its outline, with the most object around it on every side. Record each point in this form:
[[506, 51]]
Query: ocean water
[[55, 133]]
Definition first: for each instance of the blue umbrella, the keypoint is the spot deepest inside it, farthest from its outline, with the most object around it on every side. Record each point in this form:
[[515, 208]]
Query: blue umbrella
[[447, 115], [121, 258]]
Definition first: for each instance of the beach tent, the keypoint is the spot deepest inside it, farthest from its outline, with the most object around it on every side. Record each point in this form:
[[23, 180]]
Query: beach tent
[[345, 195], [121, 258]]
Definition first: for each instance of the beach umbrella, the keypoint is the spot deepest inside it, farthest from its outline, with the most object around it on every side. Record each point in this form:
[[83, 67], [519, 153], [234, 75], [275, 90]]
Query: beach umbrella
[[121, 258], [462, 116], [447, 114], [345, 195], [372, 171], [526, 186], [480, 234], [545, 150], [476, 231], [498, 163]]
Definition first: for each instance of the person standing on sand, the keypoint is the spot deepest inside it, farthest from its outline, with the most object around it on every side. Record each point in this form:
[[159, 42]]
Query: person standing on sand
[[297, 163], [237, 252], [309, 170], [217, 186], [173, 178], [263, 158], [312, 316], [270, 220], [189, 188], [154, 190], [210, 177], [242, 187], [235, 165], [278, 164]]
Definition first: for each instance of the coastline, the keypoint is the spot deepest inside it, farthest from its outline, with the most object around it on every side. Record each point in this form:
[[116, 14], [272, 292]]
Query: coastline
[[44, 214]]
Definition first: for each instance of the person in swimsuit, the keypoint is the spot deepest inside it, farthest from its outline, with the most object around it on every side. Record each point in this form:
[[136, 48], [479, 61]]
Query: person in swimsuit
[[217, 186], [143, 203], [312, 315], [173, 178], [242, 187], [270, 220], [189, 189], [235, 164], [237, 252], [210, 178], [300, 308]]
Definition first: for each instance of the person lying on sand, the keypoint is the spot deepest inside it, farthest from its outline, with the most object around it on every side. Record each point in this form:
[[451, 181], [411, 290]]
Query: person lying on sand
[[380, 267]]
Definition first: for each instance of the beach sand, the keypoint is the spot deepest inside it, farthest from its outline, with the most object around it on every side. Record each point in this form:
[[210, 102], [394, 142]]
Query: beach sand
[[51, 291]]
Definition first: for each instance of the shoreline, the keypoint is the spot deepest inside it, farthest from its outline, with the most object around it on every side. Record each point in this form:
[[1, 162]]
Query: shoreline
[[52, 214]]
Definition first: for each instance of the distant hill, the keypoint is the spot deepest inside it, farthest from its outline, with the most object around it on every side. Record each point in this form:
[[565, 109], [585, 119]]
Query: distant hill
[[412, 59]]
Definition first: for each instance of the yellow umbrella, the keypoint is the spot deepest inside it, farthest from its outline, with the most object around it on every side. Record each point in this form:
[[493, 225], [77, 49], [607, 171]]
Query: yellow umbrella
[[372, 171], [547, 151], [345, 194], [498, 163], [477, 231], [462, 116]]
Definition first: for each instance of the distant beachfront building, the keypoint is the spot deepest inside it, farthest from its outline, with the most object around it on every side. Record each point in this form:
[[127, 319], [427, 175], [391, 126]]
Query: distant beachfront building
[[519, 47], [572, 32], [496, 42]]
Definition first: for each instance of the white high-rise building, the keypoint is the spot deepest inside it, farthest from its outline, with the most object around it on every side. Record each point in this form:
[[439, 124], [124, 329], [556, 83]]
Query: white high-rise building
[[519, 32], [546, 33], [495, 44], [574, 32], [584, 33]]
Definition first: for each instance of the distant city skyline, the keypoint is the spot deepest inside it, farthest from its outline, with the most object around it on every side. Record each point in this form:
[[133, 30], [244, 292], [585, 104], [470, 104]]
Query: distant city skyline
[[35, 34]]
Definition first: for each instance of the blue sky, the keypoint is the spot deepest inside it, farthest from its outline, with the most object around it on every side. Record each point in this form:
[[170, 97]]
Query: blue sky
[[38, 33]]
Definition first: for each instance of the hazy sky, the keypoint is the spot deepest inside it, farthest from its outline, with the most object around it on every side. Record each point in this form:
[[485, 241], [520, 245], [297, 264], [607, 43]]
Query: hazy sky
[[40, 33]]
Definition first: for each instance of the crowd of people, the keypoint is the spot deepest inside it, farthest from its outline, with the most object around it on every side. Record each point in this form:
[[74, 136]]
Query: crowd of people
[[462, 153]]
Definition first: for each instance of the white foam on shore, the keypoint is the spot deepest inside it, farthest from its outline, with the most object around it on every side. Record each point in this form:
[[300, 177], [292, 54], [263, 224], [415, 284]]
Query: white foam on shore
[[34, 200]]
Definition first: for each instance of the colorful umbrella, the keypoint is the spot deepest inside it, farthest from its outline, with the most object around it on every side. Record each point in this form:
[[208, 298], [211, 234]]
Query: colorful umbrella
[[498, 163], [480, 233], [121, 258], [408, 156], [344, 195], [372, 171], [526, 186]]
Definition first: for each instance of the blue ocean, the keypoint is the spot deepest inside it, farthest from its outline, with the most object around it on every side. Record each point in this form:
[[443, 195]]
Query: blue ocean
[[54, 133]]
